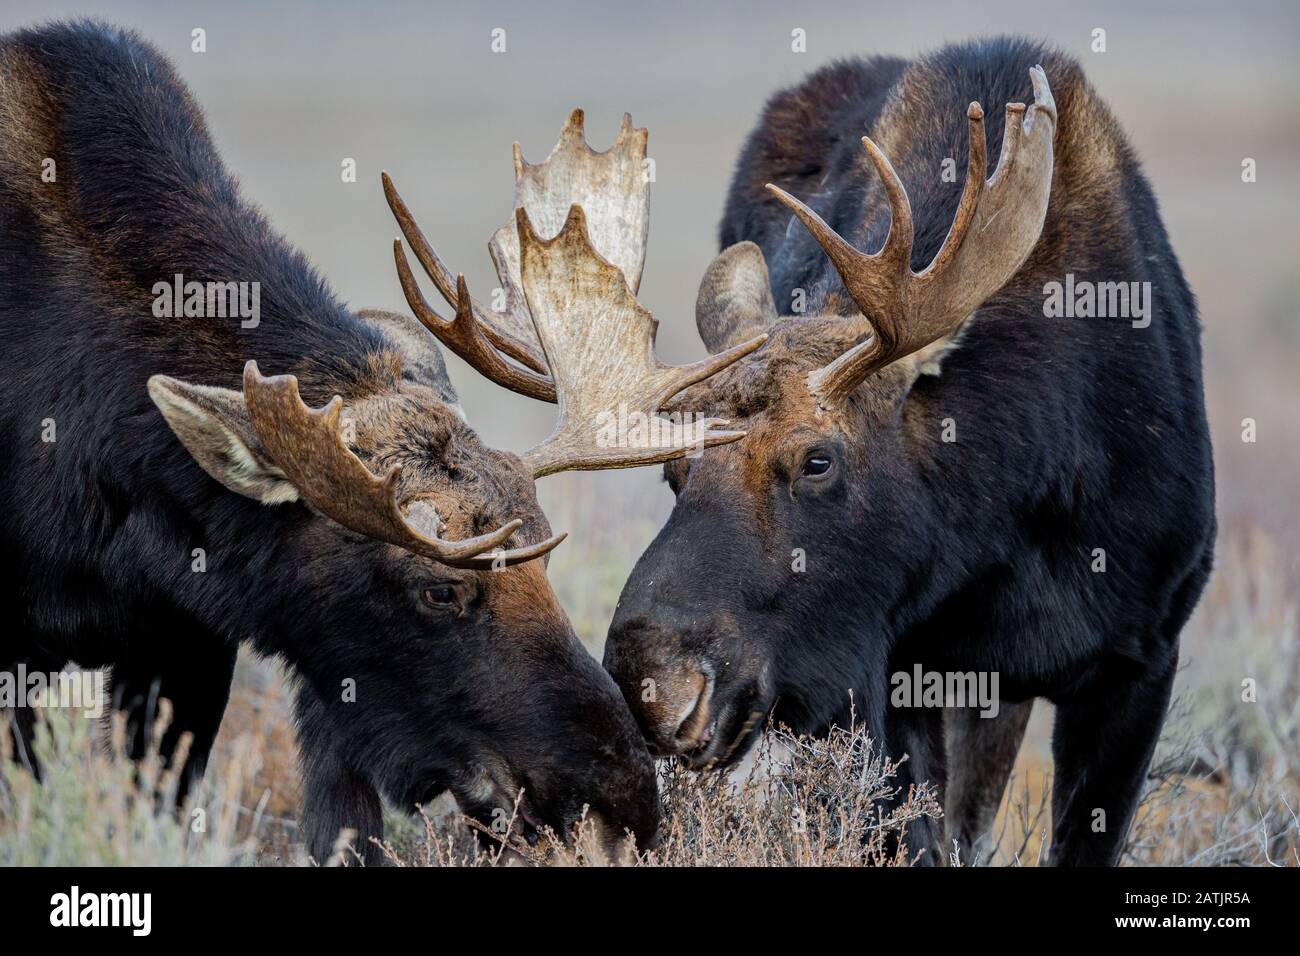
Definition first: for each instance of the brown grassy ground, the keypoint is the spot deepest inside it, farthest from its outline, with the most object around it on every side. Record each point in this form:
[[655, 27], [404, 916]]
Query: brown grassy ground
[[1224, 789]]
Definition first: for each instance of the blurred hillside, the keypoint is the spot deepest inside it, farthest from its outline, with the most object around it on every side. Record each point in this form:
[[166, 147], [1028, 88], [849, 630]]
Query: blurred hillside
[[291, 89]]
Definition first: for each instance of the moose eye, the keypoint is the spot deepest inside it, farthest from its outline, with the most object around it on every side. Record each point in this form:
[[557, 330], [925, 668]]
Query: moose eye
[[815, 466], [440, 596]]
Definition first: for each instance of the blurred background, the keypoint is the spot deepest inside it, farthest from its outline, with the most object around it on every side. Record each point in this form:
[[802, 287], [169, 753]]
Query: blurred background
[[291, 89]]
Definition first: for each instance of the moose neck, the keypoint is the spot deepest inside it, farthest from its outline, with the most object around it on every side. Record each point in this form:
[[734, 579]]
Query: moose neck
[[142, 205]]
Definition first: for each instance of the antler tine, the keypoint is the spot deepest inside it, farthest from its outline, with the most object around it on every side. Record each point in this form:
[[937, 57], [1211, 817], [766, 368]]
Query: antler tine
[[307, 446], [897, 250], [464, 335], [906, 311], [599, 343], [845, 258], [976, 170], [518, 349]]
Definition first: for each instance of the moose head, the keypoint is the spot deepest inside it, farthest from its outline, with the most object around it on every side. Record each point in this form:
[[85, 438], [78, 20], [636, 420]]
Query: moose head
[[412, 560], [764, 592]]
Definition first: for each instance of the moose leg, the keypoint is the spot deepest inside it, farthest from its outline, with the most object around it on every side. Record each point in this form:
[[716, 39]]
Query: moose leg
[[917, 735], [980, 754], [19, 721], [1102, 743], [335, 797], [198, 686]]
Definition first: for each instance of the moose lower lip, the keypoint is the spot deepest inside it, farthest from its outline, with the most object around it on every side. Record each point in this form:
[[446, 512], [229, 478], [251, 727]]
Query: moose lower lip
[[726, 739]]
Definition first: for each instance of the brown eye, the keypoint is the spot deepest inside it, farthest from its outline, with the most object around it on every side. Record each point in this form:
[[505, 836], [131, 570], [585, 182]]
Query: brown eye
[[816, 466], [440, 596]]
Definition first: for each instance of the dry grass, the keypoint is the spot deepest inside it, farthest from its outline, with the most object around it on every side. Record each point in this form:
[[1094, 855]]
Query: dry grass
[[1224, 788], [94, 809], [803, 802]]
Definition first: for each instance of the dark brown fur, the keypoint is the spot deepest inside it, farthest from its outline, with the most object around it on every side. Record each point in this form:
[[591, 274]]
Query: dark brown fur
[[966, 555], [485, 693]]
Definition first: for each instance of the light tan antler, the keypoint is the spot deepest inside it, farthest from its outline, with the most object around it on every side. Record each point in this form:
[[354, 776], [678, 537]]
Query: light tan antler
[[599, 344], [614, 189], [995, 228], [307, 446]]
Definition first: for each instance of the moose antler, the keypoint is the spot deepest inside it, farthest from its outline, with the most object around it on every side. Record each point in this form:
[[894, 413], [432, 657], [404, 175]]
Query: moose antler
[[995, 228], [612, 187], [615, 190], [307, 446], [599, 343], [473, 334]]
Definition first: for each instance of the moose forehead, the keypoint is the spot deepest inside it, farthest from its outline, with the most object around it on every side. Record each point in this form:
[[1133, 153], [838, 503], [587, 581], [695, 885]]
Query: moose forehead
[[767, 395], [773, 380], [443, 461]]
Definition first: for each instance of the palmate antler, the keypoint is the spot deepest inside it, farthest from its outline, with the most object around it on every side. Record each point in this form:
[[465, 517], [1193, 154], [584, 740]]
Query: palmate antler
[[995, 228], [570, 263], [307, 446], [599, 343], [614, 189], [474, 335]]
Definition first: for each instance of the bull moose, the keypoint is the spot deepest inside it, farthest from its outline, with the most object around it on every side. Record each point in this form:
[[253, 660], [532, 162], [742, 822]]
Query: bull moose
[[374, 543], [938, 470]]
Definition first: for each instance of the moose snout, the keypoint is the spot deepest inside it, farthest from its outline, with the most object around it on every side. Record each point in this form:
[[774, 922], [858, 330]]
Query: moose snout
[[669, 692], [593, 756]]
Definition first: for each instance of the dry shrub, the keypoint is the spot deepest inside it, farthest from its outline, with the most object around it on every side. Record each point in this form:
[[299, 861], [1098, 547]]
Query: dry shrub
[[803, 802], [806, 802], [94, 807]]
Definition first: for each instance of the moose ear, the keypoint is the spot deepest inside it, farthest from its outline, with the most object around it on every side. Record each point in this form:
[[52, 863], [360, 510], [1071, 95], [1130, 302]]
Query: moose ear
[[929, 359], [214, 426], [735, 298]]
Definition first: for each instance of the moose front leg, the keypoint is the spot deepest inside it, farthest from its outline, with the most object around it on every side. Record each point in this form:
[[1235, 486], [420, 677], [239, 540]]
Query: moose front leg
[[980, 754], [18, 722], [335, 797], [916, 733], [196, 679], [1105, 734]]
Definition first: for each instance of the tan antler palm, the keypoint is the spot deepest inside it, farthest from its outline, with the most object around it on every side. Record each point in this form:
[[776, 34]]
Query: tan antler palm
[[996, 226], [612, 187], [615, 190], [599, 344], [307, 446]]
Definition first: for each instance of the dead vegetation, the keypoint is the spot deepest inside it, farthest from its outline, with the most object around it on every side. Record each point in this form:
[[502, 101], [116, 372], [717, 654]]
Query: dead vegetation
[[803, 802], [1224, 788]]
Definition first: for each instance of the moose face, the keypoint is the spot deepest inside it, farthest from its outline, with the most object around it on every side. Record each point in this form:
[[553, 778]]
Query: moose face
[[441, 659], [477, 682], [738, 606], [771, 587]]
